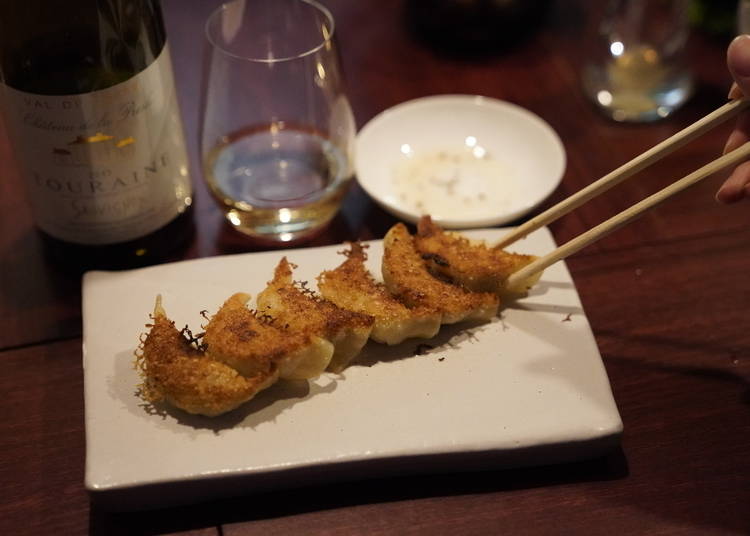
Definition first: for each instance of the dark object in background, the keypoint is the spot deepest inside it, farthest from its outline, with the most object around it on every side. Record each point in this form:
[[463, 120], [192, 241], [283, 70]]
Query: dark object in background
[[474, 27], [717, 18]]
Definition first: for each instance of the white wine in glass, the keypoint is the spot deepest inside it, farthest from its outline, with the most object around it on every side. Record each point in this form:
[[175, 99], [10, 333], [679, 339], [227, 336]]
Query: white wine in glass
[[278, 131]]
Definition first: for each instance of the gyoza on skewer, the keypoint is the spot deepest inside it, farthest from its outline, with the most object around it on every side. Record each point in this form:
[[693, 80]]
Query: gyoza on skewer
[[302, 310], [406, 276], [177, 370], [471, 264], [249, 342], [351, 286]]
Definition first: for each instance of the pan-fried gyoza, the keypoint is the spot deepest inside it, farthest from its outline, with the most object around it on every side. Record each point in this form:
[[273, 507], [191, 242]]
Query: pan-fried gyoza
[[302, 310], [407, 277], [470, 264], [351, 286], [178, 371], [250, 342], [428, 279]]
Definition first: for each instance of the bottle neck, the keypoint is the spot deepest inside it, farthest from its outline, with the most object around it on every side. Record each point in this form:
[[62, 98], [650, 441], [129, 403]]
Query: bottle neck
[[55, 47]]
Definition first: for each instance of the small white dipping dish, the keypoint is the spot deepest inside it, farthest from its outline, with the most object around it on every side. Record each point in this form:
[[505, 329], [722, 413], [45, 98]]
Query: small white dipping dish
[[466, 160]]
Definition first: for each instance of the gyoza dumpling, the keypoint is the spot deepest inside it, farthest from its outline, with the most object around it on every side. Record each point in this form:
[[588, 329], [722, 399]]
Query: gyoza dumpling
[[352, 287], [251, 342], [406, 276], [174, 369], [303, 311], [469, 263]]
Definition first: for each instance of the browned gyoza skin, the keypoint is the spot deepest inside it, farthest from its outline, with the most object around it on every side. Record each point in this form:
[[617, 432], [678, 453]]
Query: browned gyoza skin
[[241, 353], [305, 312], [251, 342], [297, 334], [351, 286], [175, 370], [406, 276], [470, 264]]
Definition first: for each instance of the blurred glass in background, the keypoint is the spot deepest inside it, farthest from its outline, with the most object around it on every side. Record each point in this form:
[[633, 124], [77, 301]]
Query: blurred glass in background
[[637, 69]]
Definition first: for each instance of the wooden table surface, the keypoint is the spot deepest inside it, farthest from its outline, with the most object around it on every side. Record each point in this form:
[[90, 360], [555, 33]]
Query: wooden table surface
[[668, 298]]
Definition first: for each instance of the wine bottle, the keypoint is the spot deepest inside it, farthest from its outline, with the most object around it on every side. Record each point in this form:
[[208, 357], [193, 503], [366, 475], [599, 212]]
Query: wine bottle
[[90, 108]]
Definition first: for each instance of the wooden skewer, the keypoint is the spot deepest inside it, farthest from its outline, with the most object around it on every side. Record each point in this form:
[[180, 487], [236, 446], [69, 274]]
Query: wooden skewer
[[628, 215], [628, 169]]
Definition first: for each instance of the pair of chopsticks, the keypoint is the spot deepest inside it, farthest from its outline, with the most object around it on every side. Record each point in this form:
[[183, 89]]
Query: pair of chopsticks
[[615, 177]]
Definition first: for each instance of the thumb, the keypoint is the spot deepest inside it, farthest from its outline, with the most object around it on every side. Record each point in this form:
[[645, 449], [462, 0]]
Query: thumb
[[738, 61]]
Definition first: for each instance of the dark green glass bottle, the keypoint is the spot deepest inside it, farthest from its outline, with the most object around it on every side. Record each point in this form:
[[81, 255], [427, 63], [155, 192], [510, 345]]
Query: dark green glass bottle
[[90, 108]]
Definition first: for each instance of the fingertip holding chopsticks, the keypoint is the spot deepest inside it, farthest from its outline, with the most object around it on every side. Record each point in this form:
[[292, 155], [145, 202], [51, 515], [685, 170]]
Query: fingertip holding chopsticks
[[645, 159]]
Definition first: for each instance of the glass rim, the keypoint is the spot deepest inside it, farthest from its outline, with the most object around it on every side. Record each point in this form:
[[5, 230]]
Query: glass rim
[[220, 10]]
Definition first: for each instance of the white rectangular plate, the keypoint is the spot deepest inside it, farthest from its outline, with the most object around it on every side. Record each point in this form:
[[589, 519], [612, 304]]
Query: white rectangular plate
[[527, 388]]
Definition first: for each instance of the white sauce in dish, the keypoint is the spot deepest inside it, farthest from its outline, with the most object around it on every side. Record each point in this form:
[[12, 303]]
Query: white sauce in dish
[[454, 183]]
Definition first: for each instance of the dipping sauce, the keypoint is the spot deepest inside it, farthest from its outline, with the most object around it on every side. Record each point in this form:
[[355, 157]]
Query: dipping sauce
[[453, 183]]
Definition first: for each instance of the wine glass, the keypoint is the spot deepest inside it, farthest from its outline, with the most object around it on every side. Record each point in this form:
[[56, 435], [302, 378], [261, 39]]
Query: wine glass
[[277, 132], [638, 70]]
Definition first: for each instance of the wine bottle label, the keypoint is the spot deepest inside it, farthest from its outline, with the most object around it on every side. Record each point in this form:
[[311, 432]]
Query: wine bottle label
[[106, 166]]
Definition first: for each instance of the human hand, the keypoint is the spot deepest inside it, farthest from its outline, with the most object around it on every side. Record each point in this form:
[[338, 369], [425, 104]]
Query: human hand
[[737, 186]]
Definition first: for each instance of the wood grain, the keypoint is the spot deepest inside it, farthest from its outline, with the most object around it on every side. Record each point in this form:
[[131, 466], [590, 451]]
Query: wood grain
[[42, 440]]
